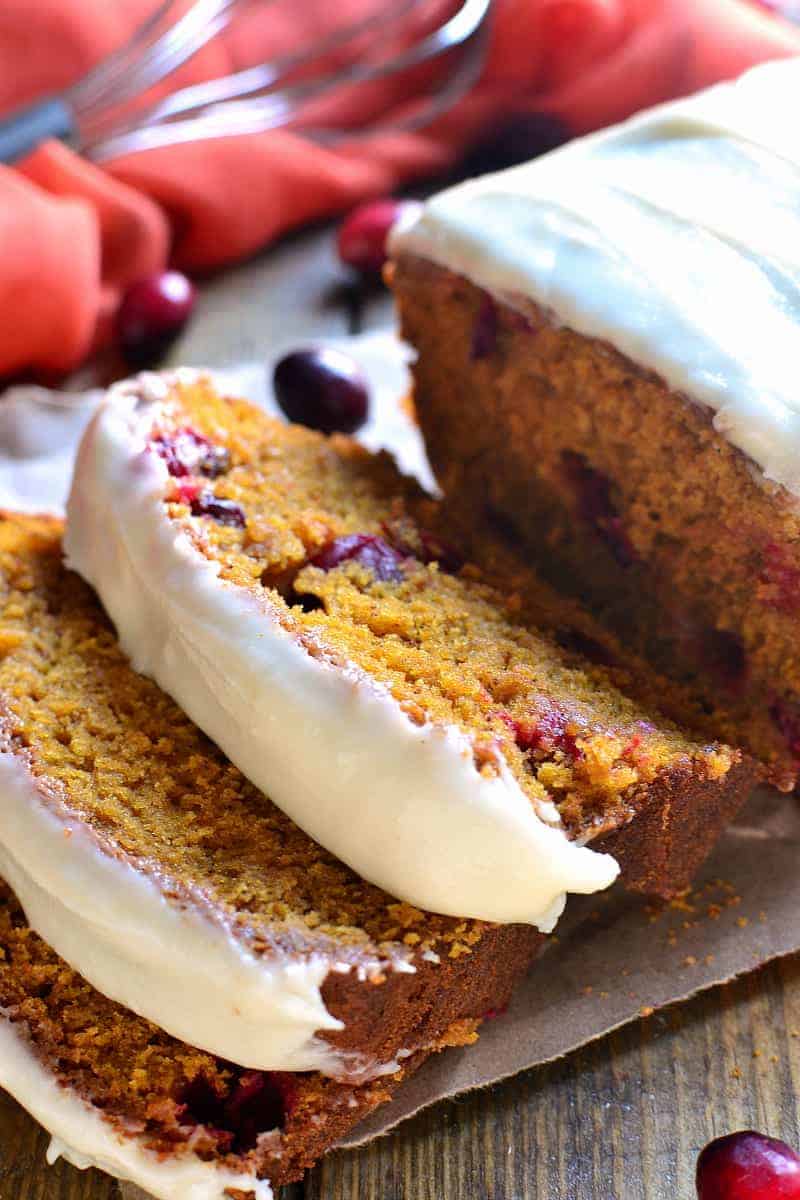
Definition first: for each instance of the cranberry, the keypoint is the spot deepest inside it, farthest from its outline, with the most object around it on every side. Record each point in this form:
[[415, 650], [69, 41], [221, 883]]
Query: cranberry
[[780, 580], [371, 551], [786, 716], [224, 512], [484, 330], [546, 732], [188, 453], [153, 312], [361, 240], [723, 655], [521, 322], [595, 506], [748, 1166], [412, 542], [323, 389], [258, 1101]]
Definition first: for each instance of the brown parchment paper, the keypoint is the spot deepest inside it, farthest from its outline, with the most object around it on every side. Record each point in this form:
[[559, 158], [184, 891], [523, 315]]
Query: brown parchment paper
[[613, 956]]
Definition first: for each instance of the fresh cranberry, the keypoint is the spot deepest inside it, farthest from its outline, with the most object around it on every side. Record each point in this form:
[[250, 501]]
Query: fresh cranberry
[[153, 312], [224, 512], [786, 716], [780, 579], [371, 551], [484, 329], [748, 1166], [323, 389], [188, 453], [595, 506], [361, 240]]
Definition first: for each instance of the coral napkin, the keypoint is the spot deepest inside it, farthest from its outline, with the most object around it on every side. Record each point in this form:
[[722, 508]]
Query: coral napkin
[[73, 235]]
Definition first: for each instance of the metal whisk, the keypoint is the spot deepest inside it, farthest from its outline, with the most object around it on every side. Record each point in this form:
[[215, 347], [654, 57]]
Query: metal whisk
[[106, 113]]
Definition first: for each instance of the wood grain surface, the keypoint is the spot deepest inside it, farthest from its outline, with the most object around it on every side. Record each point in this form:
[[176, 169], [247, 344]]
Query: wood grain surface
[[621, 1119]]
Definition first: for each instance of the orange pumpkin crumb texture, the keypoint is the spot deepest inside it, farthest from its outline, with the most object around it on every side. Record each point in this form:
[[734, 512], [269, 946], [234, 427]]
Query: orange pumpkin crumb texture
[[348, 556]]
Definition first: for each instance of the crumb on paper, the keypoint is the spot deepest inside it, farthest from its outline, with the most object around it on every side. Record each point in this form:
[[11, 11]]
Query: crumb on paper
[[680, 903]]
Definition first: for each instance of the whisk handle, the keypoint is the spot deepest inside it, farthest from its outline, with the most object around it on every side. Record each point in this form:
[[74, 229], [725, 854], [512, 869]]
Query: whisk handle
[[27, 128]]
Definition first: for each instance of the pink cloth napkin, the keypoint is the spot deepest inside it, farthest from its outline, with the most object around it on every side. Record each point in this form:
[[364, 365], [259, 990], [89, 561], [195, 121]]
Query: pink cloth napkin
[[73, 236]]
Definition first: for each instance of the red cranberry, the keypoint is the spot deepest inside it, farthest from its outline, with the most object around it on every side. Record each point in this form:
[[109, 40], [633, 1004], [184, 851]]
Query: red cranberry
[[427, 547], [153, 312], [258, 1102], [595, 506], [224, 512], [484, 330], [546, 732], [436, 549], [361, 240], [781, 579], [323, 389], [748, 1166], [371, 551], [188, 453], [723, 655], [786, 715]]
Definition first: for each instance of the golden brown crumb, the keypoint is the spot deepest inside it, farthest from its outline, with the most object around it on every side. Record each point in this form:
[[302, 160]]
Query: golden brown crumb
[[449, 647]]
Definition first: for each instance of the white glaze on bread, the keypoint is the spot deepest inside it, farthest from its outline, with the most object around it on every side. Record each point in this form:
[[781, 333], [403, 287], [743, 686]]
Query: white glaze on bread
[[674, 236], [82, 1136]]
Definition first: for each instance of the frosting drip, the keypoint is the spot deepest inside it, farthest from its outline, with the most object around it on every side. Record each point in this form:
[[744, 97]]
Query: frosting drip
[[674, 236]]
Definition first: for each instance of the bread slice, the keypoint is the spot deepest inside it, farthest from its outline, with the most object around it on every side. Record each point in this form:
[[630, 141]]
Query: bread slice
[[605, 365], [151, 865], [291, 594], [117, 1093], [651, 517]]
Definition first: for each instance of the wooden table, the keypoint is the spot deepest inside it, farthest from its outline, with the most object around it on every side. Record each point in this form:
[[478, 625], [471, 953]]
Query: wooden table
[[621, 1119]]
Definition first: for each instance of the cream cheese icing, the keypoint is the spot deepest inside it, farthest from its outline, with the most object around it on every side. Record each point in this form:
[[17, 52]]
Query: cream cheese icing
[[674, 236], [402, 804], [114, 926], [82, 1136]]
